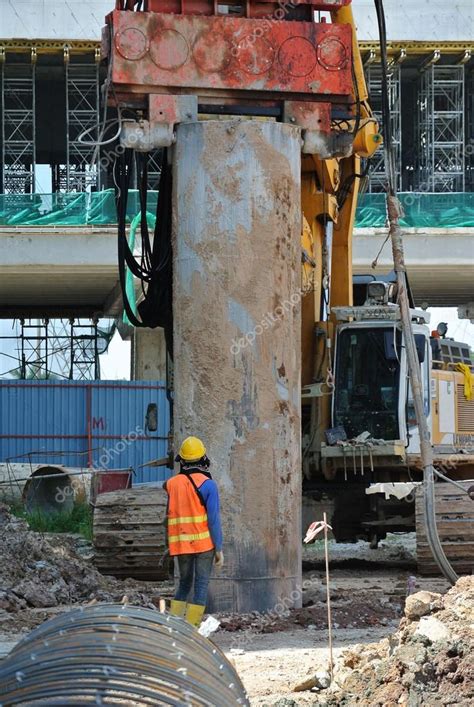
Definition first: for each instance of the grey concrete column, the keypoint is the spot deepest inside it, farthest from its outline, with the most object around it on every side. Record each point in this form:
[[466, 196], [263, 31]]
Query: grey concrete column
[[236, 308], [148, 355]]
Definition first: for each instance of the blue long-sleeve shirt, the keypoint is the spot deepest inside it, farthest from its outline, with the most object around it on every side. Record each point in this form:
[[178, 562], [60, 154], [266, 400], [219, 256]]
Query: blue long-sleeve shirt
[[210, 495]]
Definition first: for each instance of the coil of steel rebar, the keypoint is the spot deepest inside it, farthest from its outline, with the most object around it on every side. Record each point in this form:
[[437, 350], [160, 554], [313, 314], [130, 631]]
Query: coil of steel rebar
[[113, 654]]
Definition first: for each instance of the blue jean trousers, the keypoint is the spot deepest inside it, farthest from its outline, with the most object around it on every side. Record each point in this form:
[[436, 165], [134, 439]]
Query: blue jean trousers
[[197, 567]]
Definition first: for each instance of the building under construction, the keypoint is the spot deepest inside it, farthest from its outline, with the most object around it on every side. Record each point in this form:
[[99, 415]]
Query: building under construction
[[52, 115], [218, 184], [51, 91]]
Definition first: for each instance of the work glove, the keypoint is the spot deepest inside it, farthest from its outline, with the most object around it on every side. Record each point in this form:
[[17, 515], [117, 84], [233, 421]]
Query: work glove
[[219, 559]]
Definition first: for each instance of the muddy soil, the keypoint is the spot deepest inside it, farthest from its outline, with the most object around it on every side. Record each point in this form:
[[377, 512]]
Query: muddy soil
[[42, 575], [425, 658]]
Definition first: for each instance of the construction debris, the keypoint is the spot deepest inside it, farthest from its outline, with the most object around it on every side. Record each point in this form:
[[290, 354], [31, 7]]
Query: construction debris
[[40, 571], [428, 661]]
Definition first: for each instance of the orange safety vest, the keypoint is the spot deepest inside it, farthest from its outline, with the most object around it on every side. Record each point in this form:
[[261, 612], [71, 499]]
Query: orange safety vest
[[188, 530]]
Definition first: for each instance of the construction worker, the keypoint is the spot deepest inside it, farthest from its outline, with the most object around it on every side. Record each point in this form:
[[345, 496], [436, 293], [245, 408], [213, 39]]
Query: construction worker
[[194, 528]]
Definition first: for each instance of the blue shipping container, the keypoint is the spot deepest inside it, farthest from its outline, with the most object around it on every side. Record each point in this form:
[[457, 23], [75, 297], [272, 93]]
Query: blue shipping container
[[97, 424]]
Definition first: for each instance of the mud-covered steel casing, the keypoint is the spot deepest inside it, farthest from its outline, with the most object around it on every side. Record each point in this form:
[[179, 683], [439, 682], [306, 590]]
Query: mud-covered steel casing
[[237, 347]]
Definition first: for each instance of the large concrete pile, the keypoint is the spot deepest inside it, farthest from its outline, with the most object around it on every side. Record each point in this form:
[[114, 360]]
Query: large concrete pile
[[45, 571], [428, 661]]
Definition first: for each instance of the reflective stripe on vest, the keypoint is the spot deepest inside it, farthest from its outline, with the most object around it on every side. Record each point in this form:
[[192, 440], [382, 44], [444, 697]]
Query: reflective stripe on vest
[[188, 519], [188, 536], [188, 530]]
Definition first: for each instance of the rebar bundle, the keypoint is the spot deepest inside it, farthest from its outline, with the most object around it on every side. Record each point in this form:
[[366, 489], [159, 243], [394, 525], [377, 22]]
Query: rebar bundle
[[114, 654]]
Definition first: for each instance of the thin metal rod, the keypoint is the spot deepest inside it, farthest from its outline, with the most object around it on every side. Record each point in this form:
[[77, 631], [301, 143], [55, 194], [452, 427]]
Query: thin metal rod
[[59, 475], [328, 595], [450, 481]]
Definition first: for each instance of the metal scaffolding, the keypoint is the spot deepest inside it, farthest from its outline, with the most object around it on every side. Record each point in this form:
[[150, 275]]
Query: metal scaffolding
[[84, 351], [82, 114], [470, 129], [154, 170], [18, 126], [441, 127], [377, 180], [444, 147], [56, 348]]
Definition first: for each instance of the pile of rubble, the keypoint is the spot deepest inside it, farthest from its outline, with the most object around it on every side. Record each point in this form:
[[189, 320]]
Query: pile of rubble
[[47, 570], [428, 661]]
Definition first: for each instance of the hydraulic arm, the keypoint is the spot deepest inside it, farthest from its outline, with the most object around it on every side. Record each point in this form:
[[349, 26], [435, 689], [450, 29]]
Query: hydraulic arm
[[174, 60]]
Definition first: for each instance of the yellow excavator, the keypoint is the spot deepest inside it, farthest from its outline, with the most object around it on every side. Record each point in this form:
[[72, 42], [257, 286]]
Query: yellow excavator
[[362, 423], [379, 426]]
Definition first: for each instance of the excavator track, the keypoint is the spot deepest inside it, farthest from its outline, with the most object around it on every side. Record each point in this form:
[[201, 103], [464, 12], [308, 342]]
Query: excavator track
[[129, 534], [455, 523]]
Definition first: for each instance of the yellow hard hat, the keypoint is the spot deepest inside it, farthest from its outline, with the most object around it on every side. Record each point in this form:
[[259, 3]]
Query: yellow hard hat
[[192, 449]]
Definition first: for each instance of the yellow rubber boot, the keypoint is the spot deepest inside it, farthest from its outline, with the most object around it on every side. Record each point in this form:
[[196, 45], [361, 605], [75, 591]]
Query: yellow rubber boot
[[178, 608], [194, 614]]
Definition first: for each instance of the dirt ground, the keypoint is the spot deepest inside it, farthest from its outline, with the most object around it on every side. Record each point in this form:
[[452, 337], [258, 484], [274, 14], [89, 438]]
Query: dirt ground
[[273, 657], [272, 653], [273, 664]]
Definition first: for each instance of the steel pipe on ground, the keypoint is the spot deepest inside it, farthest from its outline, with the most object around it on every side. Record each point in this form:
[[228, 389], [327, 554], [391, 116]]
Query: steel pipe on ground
[[112, 654]]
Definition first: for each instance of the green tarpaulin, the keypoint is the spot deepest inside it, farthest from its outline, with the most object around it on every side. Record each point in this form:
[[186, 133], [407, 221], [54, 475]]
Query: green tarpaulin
[[421, 210], [98, 209], [95, 209]]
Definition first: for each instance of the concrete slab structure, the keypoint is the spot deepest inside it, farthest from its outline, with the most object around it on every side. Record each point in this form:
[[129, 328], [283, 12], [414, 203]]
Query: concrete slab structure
[[66, 271], [237, 360], [417, 20], [440, 262]]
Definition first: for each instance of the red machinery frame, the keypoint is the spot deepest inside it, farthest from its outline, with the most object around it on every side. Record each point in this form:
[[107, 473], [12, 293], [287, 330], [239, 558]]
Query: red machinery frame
[[181, 57]]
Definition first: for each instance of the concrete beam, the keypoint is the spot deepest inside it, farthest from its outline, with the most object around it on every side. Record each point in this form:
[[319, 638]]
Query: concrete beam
[[441, 21], [440, 262], [60, 271]]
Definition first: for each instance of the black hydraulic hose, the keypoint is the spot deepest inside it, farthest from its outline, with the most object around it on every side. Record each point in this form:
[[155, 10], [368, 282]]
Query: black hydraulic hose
[[154, 271], [112, 654], [122, 173], [394, 212]]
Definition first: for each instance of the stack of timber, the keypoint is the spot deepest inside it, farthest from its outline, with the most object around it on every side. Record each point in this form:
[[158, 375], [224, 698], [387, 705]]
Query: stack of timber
[[129, 534], [455, 522]]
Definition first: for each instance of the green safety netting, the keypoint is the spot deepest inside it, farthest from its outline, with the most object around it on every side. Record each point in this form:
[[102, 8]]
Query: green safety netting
[[86, 209], [443, 210]]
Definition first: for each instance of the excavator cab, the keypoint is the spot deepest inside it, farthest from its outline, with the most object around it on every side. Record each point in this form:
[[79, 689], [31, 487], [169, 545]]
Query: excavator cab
[[372, 403], [367, 381]]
